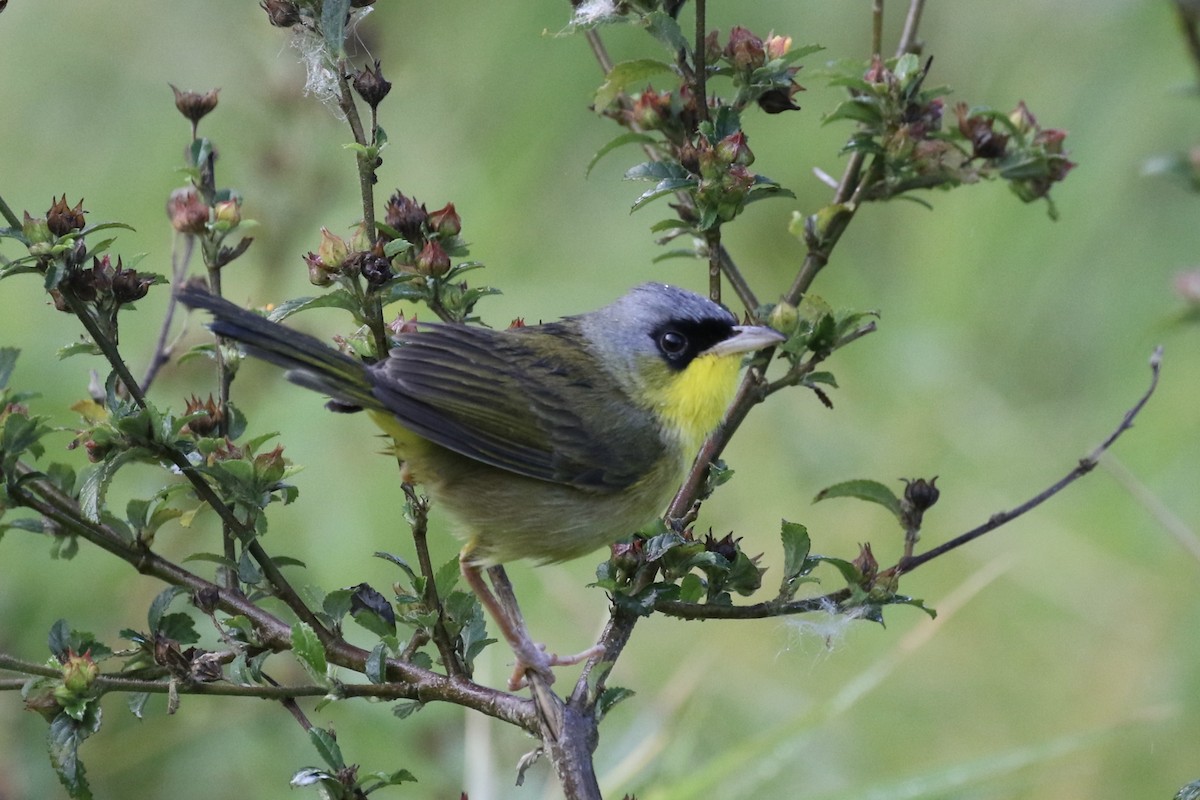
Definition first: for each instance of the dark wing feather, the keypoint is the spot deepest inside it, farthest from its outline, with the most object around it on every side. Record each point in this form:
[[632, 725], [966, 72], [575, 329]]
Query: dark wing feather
[[498, 398]]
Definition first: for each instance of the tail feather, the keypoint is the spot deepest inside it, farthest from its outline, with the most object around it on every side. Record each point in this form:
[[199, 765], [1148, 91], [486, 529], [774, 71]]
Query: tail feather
[[307, 360]]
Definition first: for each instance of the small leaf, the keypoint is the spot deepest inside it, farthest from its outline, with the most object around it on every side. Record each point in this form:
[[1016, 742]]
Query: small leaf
[[376, 667], [338, 298], [327, 747], [656, 171], [626, 73], [160, 605], [665, 28], [406, 708], [8, 362], [632, 137], [796, 545], [95, 483], [609, 698], [88, 348], [334, 14], [137, 703], [309, 650], [64, 737], [664, 187], [871, 491]]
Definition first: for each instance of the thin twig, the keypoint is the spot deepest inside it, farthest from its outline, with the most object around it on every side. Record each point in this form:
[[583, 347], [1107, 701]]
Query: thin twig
[[908, 37], [163, 350], [1085, 465], [876, 27], [420, 529]]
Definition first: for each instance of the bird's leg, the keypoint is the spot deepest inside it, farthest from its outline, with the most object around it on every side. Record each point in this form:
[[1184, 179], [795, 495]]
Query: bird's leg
[[502, 606]]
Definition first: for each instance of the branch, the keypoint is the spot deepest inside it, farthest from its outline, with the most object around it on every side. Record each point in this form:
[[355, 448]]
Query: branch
[[1085, 465]]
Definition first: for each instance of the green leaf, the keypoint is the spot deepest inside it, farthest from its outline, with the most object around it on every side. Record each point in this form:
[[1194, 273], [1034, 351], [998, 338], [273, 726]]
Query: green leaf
[[447, 576], [691, 588], [665, 187], [64, 737], [95, 483], [376, 666], [871, 491], [8, 361], [79, 348], [309, 650], [338, 298], [632, 137], [137, 703], [333, 26], [670, 225], [665, 28], [609, 698], [626, 73], [849, 572], [160, 605], [390, 778], [796, 545], [406, 708], [327, 747], [656, 171]]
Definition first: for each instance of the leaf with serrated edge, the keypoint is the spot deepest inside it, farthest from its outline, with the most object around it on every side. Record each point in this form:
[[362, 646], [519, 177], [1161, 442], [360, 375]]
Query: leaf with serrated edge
[[871, 491]]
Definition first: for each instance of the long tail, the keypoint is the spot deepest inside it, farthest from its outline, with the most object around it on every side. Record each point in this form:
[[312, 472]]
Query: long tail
[[308, 361]]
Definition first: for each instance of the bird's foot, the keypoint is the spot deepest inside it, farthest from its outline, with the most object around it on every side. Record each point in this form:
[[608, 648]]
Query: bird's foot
[[533, 658]]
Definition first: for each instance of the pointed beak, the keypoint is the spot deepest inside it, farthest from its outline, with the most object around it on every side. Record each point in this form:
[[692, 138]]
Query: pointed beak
[[746, 339]]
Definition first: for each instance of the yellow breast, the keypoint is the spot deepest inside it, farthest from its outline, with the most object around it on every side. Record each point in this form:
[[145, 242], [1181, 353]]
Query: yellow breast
[[693, 401]]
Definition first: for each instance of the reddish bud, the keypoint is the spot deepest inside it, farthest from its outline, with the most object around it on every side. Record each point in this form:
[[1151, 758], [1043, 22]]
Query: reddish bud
[[445, 221], [187, 211], [433, 260], [745, 50], [281, 13]]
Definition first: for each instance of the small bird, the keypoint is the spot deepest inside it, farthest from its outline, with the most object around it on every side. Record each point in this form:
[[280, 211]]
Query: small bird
[[545, 441]]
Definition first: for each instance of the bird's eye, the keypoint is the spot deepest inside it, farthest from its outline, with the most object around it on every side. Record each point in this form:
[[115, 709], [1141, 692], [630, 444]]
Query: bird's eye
[[672, 343]]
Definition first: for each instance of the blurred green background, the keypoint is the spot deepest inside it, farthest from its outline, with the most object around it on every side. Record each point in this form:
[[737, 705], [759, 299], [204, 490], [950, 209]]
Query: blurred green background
[[1066, 659]]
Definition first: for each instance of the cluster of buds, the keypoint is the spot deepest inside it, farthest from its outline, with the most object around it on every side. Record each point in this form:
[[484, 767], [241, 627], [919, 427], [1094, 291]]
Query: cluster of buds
[[671, 113], [907, 116], [103, 285], [1043, 160], [288, 13], [761, 69], [430, 235], [338, 256]]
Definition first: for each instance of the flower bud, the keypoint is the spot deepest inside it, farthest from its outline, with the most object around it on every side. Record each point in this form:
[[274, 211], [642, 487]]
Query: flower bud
[[269, 467], [317, 274], [187, 211], [445, 221], [866, 565], [78, 672], [783, 317], [726, 548], [433, 260], [734, 150], [228, 212], [745, 50], [332, 251], [777, 46], [61, 219], [1022, 119]]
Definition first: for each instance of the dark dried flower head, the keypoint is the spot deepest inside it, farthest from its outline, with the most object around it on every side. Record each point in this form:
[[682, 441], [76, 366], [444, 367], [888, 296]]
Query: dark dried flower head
[[406, 216], [187, 211], [866, 564], [921, 493], [208, 416], [726, 547], [129, 285], [978, 130], [370, 85], [281, 13], [206, 598], [375, 269], [61, 219], [195, 105]]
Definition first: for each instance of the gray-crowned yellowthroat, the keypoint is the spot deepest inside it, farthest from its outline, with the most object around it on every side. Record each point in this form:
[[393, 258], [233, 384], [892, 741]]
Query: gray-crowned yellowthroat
[[545, 441]]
